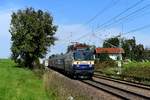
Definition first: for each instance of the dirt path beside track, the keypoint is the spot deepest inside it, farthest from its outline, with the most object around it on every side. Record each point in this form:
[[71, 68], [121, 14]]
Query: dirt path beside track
[[65, 88]]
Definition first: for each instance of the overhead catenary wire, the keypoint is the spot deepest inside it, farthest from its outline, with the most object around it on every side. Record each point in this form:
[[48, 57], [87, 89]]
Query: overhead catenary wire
[[107, 7], [129, 8], [139, 16], [126, 10], [131, 31], [104, 40], [122, 18], [125, 17], [137, 29]]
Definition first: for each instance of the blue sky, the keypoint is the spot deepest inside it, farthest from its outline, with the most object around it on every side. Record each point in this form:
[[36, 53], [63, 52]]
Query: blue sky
[[71, 16]]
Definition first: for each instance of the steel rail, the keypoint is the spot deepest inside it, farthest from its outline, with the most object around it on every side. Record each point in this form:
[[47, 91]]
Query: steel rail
[[140, 85], [103, 89], [119, 92]]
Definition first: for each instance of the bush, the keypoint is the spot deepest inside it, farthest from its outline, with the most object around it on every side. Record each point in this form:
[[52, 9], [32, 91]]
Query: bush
[[137, 71], [104, 64]]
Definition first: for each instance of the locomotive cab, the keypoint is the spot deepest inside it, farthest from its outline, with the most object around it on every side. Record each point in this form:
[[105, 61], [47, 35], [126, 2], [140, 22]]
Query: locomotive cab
[[83, 63]]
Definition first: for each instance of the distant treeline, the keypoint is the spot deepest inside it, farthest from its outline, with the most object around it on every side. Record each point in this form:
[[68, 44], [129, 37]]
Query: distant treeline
[[133, 51]]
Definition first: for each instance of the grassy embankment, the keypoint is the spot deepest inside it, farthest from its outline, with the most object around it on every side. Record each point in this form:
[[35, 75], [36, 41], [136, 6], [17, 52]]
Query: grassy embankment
[[64, 88], [24, 84], [20, 84], [132, 71]]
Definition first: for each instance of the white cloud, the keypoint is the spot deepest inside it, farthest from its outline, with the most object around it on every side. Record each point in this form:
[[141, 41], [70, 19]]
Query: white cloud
[[71, 31], [67, 34], [79, 33]]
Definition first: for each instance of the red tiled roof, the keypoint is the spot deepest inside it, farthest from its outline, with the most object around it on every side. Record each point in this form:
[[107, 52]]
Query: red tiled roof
[[109, 50]]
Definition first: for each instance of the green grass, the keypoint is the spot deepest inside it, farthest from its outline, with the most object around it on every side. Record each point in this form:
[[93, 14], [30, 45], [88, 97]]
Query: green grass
[[137, 64], [19, 83], [137, 69]]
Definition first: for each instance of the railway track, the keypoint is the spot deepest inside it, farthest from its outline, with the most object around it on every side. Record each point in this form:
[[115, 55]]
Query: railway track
[[139, 85], [97, 74], [122, 90]]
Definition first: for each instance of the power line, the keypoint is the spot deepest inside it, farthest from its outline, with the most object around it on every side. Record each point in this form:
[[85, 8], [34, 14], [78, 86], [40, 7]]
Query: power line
[[107, 7], [138, 16], [105, 41], [125, 16], [148, 5], [134, 5], [129, 8], [131, 31], [137, 29]]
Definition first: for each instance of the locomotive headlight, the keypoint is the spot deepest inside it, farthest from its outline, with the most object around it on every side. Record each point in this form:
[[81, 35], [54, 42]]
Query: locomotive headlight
[[90, 65], [77, 65], [75, 62], [92, 62]]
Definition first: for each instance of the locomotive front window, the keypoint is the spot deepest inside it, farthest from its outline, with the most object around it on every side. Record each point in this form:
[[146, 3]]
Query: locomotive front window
[[83, 55]]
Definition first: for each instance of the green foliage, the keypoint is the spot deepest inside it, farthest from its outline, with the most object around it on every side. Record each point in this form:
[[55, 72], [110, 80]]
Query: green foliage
[[139, 52], [132, 50], [137, 64], [129, 47], [32, 34], [133, 71], [102, 65], [103, 57], [20, 84], [110, 42], [147, 54], [138, 70]]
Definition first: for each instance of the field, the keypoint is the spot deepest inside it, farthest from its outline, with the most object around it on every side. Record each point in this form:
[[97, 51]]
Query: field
[[138, 70], [20, 84]]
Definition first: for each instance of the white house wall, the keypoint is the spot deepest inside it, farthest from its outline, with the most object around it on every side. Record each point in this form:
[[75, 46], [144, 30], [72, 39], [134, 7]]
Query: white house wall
[[113, 56]]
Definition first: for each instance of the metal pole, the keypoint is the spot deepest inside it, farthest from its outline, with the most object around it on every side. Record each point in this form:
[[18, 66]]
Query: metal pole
[[120, 56]]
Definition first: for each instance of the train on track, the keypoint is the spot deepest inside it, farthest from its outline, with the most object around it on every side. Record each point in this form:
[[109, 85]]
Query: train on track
[[78, 62]]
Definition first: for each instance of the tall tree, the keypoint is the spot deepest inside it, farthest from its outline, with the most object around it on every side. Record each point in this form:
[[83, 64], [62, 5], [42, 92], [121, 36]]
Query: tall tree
[[139, 52], [132, 50], [147, 54], [111, 42], [129, 47], [32, 34]]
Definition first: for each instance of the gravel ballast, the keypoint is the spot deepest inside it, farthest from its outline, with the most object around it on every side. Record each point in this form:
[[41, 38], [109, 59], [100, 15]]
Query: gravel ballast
[[69, 88]]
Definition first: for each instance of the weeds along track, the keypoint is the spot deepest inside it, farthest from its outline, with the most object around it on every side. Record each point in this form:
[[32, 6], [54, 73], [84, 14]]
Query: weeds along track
[[120, 90], [138, 85], [130, 81]]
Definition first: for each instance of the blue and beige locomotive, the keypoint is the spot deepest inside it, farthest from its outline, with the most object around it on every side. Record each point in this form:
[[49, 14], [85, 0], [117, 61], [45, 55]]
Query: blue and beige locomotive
[[77, 62]]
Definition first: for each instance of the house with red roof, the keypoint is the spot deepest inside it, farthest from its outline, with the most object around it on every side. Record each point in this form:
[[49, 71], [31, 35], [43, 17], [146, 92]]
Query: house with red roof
[[113, 53]]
